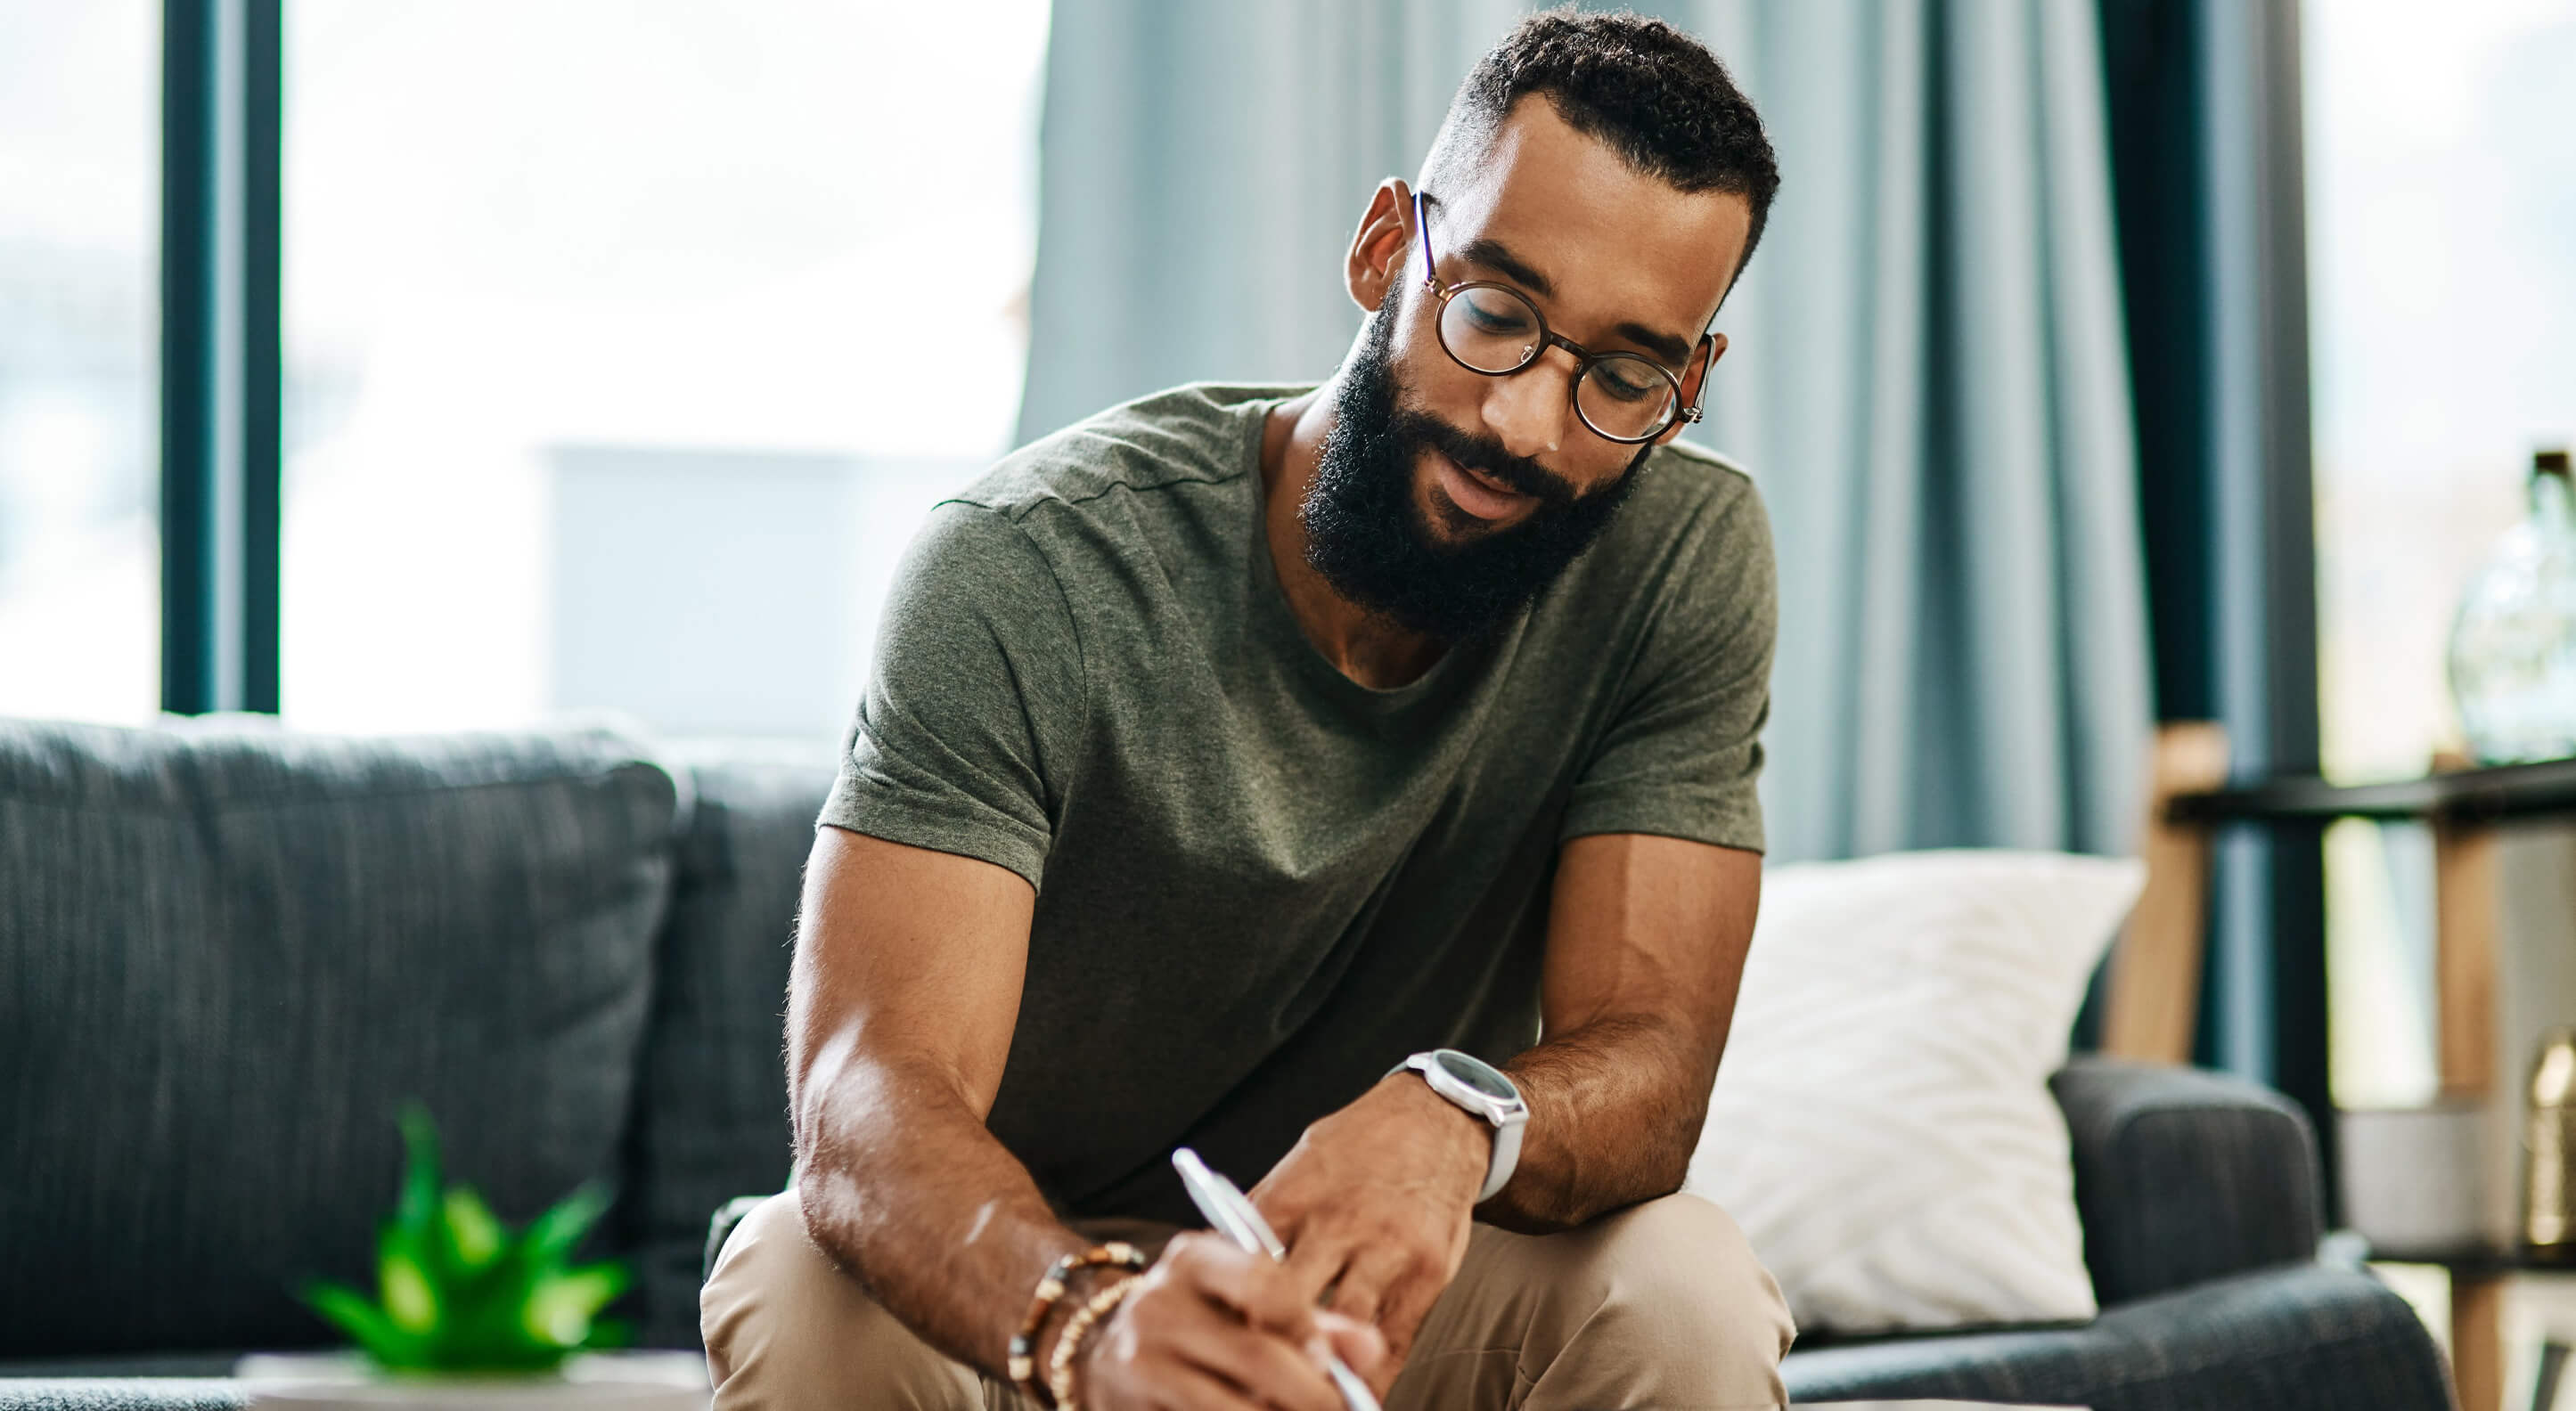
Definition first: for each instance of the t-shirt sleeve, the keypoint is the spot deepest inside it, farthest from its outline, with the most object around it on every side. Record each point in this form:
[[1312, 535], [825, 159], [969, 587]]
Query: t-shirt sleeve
[[1683, 748], [974, 708]]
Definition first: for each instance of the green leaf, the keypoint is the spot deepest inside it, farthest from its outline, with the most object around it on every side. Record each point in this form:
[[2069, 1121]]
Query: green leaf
[[410, 1299], [364, 1323], [551, 1237], [417, 1209], [559, 1309], [475, 1237]]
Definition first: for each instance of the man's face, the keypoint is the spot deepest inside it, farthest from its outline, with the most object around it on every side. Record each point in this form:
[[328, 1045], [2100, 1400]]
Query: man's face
[[1446, 499]]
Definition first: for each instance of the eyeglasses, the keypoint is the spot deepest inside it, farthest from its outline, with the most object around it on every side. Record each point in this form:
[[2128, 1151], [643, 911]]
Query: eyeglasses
[[1494, 329]]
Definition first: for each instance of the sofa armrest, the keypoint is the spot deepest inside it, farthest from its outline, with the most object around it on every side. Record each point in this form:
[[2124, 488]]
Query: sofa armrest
[[2183, 1175]]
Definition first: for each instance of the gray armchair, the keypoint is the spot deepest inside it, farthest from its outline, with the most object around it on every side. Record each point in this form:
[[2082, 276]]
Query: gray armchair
[[2201, 1201]]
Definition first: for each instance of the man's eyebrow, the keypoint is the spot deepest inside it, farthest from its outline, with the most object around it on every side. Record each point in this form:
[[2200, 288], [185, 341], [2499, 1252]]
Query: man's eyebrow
[[1495, 255], [1672, 350]]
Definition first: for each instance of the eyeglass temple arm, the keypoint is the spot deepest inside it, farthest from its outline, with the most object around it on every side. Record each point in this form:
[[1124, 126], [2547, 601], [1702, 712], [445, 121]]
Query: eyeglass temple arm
[[1422, 232], [1708, 345]]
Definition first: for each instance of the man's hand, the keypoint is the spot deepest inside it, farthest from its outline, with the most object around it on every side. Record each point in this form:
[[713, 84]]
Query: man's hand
[[1374, 1204], [1215, 1328]]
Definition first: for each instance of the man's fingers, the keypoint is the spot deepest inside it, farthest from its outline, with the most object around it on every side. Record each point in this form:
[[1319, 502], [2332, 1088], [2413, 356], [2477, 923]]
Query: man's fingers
[[1191, 1317], [1399, 1320], [1256, 1362], [1315, 1261], [1368, 1281], [1187, 1387], [1360, 1345], [1262, 1290]]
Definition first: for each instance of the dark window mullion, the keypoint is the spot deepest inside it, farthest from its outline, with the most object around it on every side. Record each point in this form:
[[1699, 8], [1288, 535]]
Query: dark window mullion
[[220, 354], [263, 348]]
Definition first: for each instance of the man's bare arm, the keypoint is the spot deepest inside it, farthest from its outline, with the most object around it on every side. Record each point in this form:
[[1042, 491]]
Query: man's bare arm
[[906, 988], [1646, 943], [909, 966], [1645, 949]]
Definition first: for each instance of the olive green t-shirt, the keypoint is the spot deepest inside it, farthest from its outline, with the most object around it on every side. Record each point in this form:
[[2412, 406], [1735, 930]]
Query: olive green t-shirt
[[1259, 883]]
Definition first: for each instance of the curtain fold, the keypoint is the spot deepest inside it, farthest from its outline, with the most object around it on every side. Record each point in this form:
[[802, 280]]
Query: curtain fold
[[1203, 169], [1928, 378]]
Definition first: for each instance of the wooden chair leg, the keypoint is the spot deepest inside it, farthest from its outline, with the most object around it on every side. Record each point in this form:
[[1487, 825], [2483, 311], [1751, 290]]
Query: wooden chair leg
[[2477, 1341], [2155, 974], [2464, 958]]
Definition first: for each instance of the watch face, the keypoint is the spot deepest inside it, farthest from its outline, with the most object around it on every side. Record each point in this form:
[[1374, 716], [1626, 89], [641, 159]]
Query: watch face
[[1476, 1075]]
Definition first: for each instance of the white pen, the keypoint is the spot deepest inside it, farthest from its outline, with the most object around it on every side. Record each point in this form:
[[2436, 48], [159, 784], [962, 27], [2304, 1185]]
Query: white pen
[[1232, 1214]]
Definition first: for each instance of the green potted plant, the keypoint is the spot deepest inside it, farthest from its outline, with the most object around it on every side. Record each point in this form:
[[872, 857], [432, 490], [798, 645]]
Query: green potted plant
[[469, 1312]]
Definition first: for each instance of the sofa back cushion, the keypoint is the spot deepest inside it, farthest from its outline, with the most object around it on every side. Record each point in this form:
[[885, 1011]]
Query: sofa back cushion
[[711, 1111], [232, 954]]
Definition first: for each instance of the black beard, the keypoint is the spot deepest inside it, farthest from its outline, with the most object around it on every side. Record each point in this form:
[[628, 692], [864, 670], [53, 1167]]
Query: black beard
[[1368, 538]]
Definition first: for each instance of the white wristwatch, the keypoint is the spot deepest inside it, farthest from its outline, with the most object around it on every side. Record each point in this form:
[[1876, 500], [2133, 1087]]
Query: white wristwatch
[[1484, 1091]]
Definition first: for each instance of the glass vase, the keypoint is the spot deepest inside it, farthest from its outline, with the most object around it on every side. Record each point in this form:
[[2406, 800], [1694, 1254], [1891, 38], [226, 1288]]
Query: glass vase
[[2513, 646]]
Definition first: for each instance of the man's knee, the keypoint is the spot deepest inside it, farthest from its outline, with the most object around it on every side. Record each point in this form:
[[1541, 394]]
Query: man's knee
[[785, 1327], [1663, 1304], [1680, 1270]]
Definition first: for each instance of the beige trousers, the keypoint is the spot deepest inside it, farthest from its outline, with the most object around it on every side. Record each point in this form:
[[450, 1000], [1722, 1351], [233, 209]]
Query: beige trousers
[[1662, 1305]]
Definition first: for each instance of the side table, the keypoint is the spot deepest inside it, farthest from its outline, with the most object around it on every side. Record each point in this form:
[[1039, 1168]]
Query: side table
[[2463, 806]]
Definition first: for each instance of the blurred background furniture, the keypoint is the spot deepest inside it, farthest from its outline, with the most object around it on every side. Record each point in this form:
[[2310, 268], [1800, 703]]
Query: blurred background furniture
[[2466, 807]]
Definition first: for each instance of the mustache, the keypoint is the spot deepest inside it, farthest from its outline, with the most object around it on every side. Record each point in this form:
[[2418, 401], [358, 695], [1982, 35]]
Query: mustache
[[1486, 454]]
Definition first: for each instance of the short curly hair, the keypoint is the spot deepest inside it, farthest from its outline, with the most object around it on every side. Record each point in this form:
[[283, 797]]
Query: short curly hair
[[1657, 96]]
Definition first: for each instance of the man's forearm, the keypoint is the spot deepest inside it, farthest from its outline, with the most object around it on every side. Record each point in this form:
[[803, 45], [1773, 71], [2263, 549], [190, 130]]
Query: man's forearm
[[1615, 1109], [905, 1187]]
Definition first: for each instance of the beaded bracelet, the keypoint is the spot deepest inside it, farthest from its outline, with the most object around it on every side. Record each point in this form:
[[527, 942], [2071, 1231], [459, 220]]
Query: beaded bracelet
[[1023, 1365], [1068, 1344]]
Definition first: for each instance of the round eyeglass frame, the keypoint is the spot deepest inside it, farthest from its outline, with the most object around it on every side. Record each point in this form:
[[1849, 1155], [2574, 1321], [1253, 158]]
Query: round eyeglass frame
[[1585, 359]]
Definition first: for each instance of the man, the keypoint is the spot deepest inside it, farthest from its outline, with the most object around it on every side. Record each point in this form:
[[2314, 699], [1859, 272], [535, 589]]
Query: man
[[1233, 747]]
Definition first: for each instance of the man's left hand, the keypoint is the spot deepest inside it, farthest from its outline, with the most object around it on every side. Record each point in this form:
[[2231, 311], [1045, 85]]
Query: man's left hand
[[1374, 1204]]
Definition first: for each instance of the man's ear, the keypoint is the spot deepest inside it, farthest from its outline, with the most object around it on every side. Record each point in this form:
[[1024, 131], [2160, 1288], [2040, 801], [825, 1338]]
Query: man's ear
[[1379, 247], [1695, 380]]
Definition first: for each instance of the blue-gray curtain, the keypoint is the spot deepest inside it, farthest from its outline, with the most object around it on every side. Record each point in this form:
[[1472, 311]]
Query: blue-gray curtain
[[2208, 155], [1929, 377], [1203, 169]]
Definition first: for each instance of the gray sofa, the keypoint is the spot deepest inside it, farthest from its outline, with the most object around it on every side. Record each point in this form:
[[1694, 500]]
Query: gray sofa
[[231, 953]]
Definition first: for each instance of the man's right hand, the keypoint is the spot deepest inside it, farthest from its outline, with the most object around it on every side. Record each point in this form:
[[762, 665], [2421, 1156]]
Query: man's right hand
[[1218, 1328]]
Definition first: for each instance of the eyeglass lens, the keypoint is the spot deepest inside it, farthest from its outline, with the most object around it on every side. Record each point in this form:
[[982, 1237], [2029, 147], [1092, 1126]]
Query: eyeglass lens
[[1620, 395]]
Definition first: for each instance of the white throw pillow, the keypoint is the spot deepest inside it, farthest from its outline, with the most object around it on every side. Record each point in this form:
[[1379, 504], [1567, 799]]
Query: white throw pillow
[[1882, 1127]]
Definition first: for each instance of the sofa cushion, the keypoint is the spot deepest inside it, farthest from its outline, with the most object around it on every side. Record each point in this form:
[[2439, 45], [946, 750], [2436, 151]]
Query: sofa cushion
[[232, 954], [711, 1109], [1882, 1127]]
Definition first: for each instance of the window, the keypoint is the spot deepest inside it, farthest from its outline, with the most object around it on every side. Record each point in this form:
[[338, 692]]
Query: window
[[623, 356], [2442, 220], [79, 556]]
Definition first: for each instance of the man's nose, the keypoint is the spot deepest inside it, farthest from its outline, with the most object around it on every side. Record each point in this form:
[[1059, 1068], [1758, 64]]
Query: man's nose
[[1530, 410]]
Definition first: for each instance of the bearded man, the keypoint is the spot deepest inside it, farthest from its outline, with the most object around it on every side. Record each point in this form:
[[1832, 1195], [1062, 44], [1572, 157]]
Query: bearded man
[[1353, 783]]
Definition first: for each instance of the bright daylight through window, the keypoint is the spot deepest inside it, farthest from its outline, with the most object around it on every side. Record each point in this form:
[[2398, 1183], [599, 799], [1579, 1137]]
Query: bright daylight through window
[[2442, 205], [624, 356], [79, 548]]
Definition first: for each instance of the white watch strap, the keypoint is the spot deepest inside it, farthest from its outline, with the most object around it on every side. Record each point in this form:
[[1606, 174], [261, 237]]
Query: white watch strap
[[1507, 1156]]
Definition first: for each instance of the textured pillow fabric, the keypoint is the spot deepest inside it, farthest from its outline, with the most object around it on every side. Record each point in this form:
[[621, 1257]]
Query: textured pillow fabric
[[711, 1111], [230, 955], [1882, 1126]]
